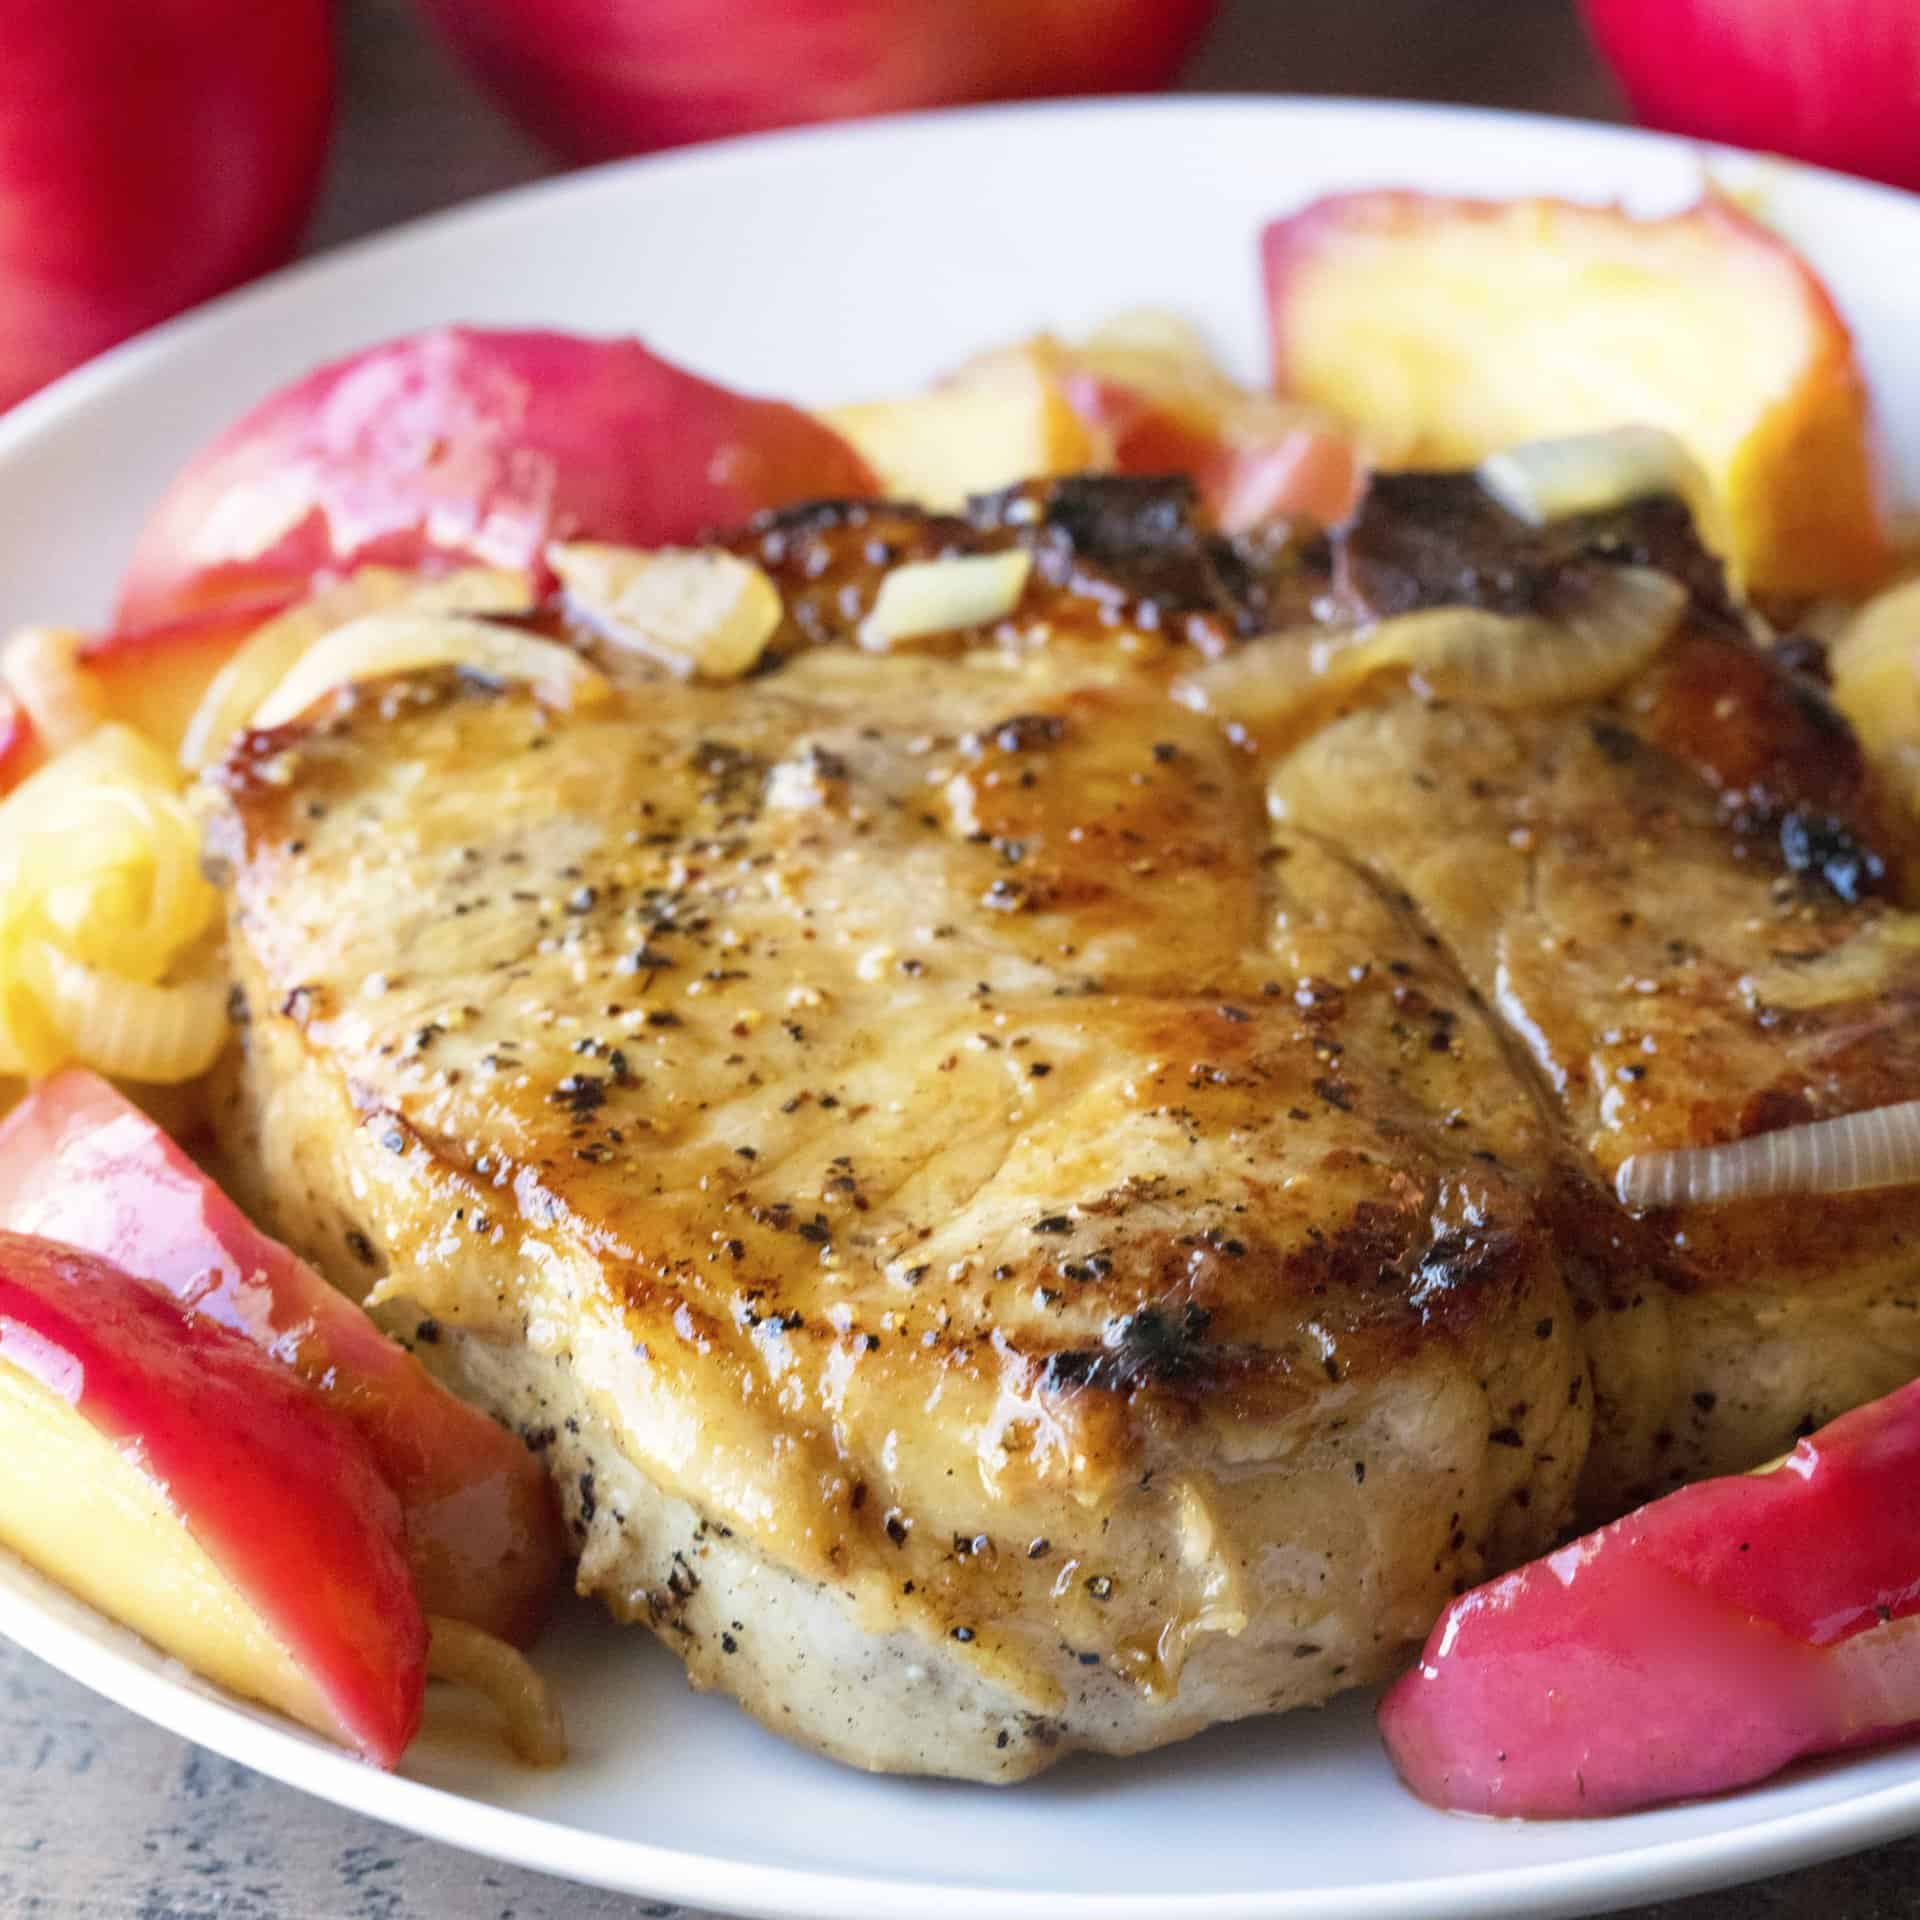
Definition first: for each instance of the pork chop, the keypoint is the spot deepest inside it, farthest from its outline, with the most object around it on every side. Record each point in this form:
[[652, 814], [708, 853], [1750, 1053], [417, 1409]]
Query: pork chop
[[1023, 1219]]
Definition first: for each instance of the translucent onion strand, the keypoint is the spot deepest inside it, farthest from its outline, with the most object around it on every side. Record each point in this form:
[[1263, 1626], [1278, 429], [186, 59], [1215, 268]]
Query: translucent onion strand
[[1876, 1147]]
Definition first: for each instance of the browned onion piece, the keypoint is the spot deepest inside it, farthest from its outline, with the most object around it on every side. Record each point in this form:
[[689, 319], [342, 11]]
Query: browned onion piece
[[1876, 1147], [1498, 660], [1462, 654]]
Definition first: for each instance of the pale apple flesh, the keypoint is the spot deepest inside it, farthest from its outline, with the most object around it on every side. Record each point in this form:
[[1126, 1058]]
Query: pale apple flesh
[[181, 1481], [469, 446], [1700, 1644], [1447, 329], [1143, 404], [1002, 418], [79, 1508], [79, 1163], [153, 678]]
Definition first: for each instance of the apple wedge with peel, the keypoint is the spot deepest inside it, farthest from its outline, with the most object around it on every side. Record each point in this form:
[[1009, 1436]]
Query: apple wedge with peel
[[1144, 396], [1447, 329], [1700, 1644], [81, 1164], [175, 1477], [1148, 385], [470, 446]]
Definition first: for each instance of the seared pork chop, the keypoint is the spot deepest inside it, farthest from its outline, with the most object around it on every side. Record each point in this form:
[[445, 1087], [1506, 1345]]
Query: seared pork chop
[[1674, 900], [1022, 1220]]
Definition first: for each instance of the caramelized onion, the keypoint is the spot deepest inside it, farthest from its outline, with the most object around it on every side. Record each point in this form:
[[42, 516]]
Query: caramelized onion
[[1275, 679], [696, 610], [117, 884], [1500, 660], [272, 651], [129, 1028], [464, 1655], [65, 704], [102, 899], [1876, 1147], [1462, 654], [928, 597], [381, 644]]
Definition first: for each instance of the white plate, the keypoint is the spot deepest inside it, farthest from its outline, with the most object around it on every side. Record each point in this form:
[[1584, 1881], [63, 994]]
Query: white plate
[[823, 266]]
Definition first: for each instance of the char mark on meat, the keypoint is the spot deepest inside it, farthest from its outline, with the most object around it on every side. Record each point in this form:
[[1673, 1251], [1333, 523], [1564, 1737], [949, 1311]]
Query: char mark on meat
[[1422, 540], [1139, 540]]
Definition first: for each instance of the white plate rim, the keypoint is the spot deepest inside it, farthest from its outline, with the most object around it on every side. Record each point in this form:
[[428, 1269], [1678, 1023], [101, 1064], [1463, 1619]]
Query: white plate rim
[[68, 1636], [72, 1639]]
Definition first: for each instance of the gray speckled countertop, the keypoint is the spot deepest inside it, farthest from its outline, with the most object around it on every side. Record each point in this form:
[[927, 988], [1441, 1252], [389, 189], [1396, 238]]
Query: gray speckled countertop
[[103, 1816]]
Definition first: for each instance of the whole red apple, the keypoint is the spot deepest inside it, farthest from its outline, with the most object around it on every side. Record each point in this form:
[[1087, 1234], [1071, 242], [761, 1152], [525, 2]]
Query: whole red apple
[[598, 78], [152, 153], [1832, 81]]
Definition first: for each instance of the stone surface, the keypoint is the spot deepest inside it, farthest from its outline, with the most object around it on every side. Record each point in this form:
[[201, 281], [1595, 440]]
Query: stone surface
[[103, 1817]]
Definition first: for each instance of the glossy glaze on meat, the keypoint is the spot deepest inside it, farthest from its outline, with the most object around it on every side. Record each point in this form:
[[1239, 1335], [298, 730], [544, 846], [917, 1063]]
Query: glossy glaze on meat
[[1101, 1226]]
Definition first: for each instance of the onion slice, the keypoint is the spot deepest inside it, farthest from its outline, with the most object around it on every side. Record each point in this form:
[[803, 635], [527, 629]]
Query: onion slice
[[1876, 1147], [925, 598], [696, 610], [1462, 654], [378, 645], [1500, 660], [1541, 481], [129, 1028], [466, 1656], [272, 651]]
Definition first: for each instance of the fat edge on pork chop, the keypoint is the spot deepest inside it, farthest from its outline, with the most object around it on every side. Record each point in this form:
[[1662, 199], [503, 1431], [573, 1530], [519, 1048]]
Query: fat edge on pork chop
[[1025, 1217]]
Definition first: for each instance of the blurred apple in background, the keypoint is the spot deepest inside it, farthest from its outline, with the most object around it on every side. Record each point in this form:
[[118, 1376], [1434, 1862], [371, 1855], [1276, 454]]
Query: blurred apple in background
[[599, 78], [152, 153], [1836, 82]]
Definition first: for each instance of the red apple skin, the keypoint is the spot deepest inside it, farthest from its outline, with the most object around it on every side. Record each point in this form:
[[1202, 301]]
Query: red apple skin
[[19, 753], [468, 446], [276, 1488], [596, 79], [1306, 472], [81, 1164], [1700, 1644], [1833, 82], [152, 153]]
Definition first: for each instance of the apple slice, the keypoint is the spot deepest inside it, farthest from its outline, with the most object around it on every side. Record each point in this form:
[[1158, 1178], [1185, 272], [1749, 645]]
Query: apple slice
[[178, 1479], [1001, 418], [1699, 1644], [153, 677], [81, 1164], [1448, 329], [1141, 396], [466, 445], [1150, 388]]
